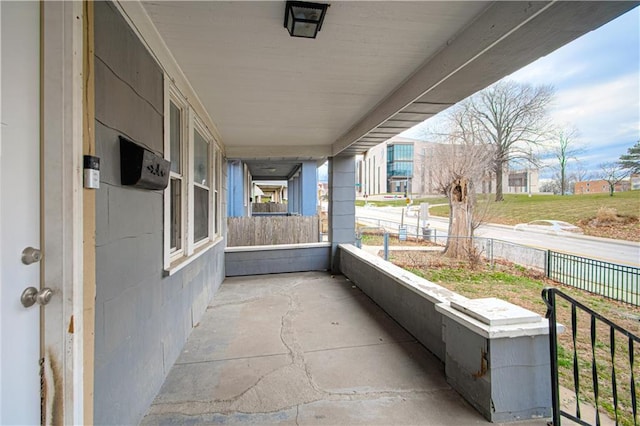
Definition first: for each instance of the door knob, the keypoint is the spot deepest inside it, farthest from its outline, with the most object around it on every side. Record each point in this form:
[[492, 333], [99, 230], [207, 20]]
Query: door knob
[[31, 255], [32, 295]]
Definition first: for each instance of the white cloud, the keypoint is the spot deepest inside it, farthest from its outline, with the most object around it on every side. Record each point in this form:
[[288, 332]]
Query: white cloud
[[604, 113]]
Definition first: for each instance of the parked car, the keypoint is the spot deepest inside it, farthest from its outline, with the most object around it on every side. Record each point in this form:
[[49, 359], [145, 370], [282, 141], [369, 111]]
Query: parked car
[[555, 227]]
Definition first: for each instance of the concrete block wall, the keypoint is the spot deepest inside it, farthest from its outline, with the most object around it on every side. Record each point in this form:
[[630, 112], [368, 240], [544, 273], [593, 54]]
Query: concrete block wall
[[143, 317], [342, 197], [257, 260], [501, 369], [409, 299]]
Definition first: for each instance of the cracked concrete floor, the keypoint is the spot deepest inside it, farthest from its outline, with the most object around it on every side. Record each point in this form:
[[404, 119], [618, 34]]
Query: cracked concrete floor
[[304, 348]]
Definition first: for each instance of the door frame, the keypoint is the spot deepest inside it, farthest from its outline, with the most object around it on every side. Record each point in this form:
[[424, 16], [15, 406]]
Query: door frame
[[63, 333]]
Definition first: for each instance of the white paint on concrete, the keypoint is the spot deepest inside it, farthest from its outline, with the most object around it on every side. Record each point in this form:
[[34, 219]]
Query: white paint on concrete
[[496, 331], [493, 311]]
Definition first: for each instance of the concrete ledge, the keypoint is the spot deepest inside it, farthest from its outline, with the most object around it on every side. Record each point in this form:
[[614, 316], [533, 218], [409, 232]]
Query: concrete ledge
[[276, 259], [409, 299], [496, 354], [536, 326]]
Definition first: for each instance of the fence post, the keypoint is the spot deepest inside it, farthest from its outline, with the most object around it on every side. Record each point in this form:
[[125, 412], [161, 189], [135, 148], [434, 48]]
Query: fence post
[[547, 263], [549, 297], [385, 240], [491, 253]]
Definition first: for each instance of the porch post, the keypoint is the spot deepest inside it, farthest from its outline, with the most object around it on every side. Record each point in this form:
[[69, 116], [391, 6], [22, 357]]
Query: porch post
[[342, 208], [308, 189]]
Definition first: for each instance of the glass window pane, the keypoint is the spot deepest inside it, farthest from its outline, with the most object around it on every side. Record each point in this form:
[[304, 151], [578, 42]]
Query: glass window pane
[[200, 213], [200, 160], [176, 214], [216, 231], [175, 131]]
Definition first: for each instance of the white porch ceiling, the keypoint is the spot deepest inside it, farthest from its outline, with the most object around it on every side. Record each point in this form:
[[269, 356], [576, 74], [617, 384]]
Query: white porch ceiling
[[375, 69]]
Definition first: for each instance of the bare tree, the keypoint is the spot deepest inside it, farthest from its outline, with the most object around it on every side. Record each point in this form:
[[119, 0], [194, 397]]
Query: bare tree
[[576, 174], [461, 160], [511, 116], [564, 149], [612, 173], [580, 174]]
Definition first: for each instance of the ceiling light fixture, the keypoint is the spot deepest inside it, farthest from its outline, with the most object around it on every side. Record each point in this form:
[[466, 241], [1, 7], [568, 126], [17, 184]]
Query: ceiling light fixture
[[304, 19]]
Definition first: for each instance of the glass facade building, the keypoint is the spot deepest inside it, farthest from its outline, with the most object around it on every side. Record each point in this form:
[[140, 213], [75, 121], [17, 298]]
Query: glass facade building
[[399, 166]]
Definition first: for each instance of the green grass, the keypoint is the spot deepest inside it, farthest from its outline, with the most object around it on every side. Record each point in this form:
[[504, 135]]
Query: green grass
[[519, 208], [518, 286], [402, 202]]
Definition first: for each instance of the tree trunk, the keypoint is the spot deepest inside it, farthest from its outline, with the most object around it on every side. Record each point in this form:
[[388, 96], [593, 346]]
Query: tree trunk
[[459, 243], [498, 170], [562, 180]]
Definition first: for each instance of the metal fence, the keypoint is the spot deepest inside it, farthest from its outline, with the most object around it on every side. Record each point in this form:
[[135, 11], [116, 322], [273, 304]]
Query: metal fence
[[617, 282], [489, 249], [614, 281], [601, 364]]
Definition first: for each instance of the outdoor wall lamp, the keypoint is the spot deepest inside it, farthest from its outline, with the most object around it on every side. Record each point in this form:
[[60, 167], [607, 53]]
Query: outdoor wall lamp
[[304, 19]]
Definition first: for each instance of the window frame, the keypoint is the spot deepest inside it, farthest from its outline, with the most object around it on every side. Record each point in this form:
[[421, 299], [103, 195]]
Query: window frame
[[173, 96], [176, 259], [199, 127]]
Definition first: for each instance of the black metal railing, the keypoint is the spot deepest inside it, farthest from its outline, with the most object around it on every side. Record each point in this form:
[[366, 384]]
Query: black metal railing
[[596, 361], [617, 282]]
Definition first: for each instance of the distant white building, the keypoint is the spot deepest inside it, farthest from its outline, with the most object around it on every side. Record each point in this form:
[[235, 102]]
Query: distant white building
[[407, 165]]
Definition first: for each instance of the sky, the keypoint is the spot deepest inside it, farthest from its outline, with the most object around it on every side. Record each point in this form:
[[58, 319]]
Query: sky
[[597, 83]]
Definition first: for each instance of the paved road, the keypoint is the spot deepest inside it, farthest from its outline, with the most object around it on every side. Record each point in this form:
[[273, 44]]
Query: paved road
[[615, 251]]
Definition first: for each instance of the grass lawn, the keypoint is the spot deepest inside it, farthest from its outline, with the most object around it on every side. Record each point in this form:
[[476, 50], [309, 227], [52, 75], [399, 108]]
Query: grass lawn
[[402, 202], [523, 287], [575, 209]]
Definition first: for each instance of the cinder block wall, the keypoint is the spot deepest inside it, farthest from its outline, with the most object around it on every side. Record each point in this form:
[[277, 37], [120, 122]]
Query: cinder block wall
[[257, 260], [412, 306], [502, 371], [143, 317]]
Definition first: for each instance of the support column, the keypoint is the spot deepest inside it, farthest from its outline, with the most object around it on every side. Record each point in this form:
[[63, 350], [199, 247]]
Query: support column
[[235, 208], [309, 189], [294, 195], [342, 207]]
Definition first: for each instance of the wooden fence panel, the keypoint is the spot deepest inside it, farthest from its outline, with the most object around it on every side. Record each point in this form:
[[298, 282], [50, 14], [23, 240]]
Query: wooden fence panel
[[269, 207], [268, 230]]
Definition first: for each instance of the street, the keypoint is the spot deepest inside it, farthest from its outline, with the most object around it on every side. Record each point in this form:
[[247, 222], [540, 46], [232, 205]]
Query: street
[[608, 250]]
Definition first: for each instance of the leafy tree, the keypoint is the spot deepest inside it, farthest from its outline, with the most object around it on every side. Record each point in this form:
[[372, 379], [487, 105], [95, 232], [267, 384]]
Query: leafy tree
[[612, 173], [511, 117], [631, 160]]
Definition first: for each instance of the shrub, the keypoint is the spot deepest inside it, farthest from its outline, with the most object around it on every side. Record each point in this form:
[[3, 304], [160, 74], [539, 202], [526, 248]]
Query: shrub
[[607, 214]]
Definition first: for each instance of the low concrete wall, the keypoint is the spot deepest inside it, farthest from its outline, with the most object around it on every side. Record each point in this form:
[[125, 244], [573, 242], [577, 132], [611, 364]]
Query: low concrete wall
[[519, 254], [496, 354], [257, 260], [409, 299]]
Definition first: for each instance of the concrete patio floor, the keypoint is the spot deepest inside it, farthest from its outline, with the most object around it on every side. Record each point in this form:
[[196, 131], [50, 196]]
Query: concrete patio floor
[[305, 348]]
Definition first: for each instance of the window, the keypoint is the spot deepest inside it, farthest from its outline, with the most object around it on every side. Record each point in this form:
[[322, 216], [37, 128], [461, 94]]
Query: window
[[177, 144], [217, 190], [400, 160], [191, 198], [201, 187]]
